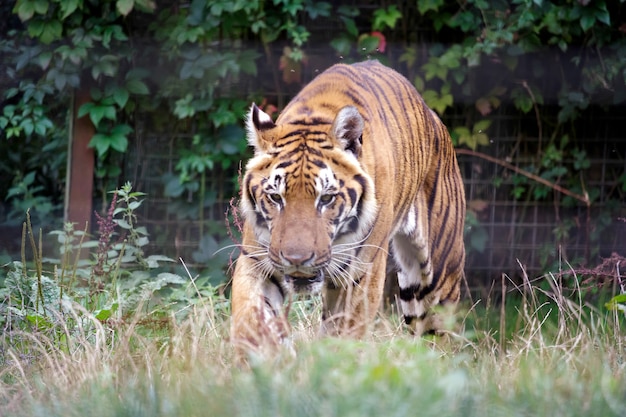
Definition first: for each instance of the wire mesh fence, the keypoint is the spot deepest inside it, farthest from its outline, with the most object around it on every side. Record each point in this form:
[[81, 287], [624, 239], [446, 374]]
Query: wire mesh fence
[[517, 231]]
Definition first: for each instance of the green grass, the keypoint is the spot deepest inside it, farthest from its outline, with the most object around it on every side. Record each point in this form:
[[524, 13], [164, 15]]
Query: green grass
[[559, 357], [118, 335]]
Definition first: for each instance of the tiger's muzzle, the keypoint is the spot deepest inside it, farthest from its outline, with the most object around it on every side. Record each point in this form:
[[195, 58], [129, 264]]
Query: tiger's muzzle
[[305, 283]]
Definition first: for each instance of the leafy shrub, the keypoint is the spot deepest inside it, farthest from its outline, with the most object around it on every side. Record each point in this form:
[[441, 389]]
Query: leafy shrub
[[95, 285]]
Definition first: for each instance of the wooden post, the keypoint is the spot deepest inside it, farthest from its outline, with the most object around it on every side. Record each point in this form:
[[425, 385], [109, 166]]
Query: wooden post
[[80, 166]]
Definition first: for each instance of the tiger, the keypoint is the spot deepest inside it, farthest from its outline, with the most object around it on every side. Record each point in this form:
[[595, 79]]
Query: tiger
[[355, 170]]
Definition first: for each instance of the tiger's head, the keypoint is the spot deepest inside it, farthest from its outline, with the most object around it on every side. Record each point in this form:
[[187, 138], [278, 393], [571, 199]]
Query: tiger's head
[[307, 197]]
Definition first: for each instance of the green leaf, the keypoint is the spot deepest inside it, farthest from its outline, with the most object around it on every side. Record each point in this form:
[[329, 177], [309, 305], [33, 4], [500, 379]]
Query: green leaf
[[145, 5], [11, 92], [184, 108], [103, 314], [135, 86], [616, 302], [425, 5], [107, 65], [480, 139], [68, 7], [57, 77], [24, 9], [122, 129], [101, 143], [351, 27], [153, 260], [318, 8], [35, 29], [85, 109], [247, 62], [603, 15], [368, 44], [123, 224], [586, 21], [342, 45], [42, 126], [51, 31], [120, 96], [41, 6], [124, 7], [13, 132], [419, 84], [117, 138], [44, 60], [452, 57], [28, 126], [523, 102], [438, 101], [118, 142], [386, 18], [40, 321], [481, 126], [98, 111]]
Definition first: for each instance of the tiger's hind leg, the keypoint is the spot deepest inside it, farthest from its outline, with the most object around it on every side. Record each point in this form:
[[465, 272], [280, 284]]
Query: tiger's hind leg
[[412, 255]]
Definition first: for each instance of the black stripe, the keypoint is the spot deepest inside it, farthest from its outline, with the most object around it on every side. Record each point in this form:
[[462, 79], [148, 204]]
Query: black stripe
[[350, 225], [434, 191], [269, 306], [352, 196], [363, 183], [274, 281], [260, 220], [296, 132], [424, 291], [454, 290], [408, 293], [317, 140], [315, 121], [285, 164], [356, 100], [319, 163]]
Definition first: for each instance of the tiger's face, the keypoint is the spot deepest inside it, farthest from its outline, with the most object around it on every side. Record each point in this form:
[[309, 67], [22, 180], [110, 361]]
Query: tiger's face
[[307, 197]]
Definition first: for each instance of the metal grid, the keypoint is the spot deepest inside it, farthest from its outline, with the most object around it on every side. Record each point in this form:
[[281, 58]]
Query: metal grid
[[519, 231], [522, 231]]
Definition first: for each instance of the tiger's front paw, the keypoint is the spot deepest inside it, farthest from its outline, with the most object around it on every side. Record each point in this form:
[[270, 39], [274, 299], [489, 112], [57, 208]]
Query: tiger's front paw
[[260, 335]]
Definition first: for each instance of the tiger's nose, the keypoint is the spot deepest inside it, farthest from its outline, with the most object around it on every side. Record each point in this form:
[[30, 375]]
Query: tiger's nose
[[291, 257]]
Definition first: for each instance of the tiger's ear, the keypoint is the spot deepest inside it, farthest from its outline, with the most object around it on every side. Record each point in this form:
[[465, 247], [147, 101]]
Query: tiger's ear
[[256, 123], [348, 130]]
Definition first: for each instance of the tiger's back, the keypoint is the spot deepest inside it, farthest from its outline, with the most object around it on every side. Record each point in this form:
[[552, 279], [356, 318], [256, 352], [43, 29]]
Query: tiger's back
[[355, 164]]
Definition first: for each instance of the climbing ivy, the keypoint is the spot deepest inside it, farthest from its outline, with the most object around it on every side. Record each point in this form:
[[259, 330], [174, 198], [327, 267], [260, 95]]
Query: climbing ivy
[[176, 64], [191, 69]]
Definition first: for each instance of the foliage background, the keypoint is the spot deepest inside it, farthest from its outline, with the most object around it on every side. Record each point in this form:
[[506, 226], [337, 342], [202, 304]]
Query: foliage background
[[531, 90], [537, 84]]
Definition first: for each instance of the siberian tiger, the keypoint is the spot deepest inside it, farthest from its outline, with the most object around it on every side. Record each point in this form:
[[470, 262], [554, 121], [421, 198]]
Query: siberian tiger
[[355, 164]]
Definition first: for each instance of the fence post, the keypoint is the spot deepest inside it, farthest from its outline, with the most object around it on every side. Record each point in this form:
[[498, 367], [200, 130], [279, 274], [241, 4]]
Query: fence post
[[80, 165]]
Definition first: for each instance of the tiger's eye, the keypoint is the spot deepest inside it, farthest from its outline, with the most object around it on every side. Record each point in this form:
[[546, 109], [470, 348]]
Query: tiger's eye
[[327, 198], [275, 197]]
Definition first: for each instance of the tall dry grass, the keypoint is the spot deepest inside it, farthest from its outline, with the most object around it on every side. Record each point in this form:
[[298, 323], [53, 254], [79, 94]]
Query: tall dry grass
[[538, 351]]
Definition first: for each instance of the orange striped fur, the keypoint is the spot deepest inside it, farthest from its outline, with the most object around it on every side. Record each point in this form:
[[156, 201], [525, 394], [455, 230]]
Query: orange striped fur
[[355, 167]]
